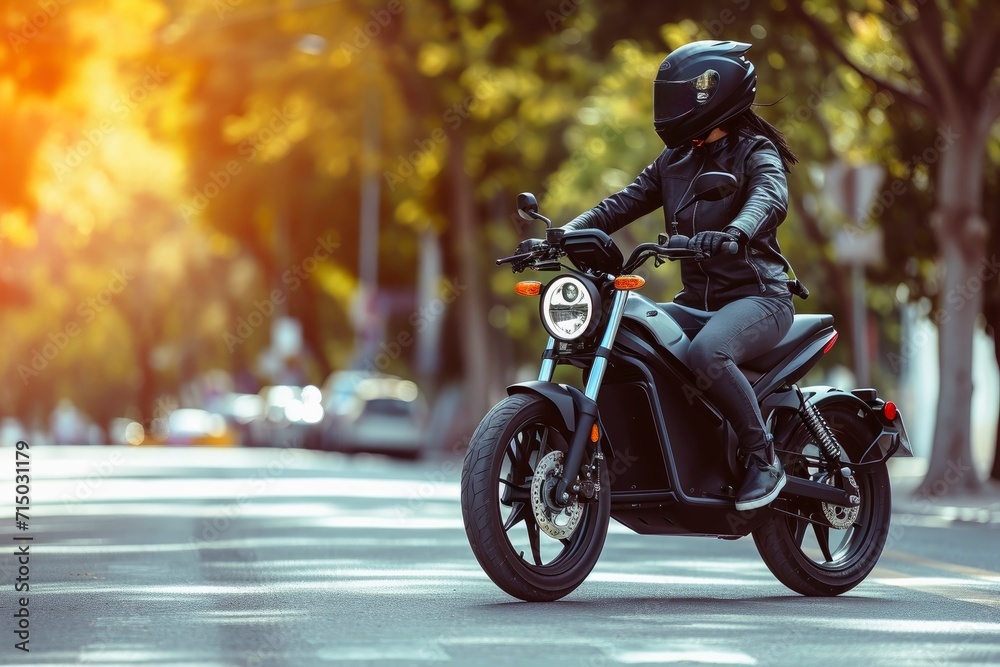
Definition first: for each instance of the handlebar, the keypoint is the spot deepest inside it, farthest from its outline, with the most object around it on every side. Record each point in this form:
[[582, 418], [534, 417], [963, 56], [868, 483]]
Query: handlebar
[[675, 249], [515, 258], [521, 261]]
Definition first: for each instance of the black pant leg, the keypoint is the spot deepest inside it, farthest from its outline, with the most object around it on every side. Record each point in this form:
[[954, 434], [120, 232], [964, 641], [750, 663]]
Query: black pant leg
[[739, 331]]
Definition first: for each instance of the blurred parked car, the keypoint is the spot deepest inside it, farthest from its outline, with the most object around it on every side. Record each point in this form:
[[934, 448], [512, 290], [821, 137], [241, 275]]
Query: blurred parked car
[[289, 416], [240, 412], [381, 414], [190, 426]]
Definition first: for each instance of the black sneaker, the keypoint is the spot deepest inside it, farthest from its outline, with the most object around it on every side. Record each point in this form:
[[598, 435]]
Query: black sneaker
[[764, 480]]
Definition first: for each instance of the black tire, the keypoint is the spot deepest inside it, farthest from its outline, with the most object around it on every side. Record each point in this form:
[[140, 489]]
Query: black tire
[[782, 540], [494, 449]]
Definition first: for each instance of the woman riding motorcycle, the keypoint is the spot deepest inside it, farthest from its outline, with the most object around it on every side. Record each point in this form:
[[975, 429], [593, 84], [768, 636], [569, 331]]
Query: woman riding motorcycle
[[702, 100]]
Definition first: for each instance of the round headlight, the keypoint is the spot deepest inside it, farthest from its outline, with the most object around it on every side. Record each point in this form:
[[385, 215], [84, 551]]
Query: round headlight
[[567, 308]]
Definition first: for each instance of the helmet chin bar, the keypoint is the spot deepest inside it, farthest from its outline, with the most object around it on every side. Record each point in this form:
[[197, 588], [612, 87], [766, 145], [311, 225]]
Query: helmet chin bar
[[698, 141], [672, 143]]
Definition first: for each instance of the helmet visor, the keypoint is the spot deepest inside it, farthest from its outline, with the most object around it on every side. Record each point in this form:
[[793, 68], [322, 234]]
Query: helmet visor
[[673, 99]]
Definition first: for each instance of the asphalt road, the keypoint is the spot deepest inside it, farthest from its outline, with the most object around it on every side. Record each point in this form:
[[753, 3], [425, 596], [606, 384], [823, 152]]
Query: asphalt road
[[287, 557]]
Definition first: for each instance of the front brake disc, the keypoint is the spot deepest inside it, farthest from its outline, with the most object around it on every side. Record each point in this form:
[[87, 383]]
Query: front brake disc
[[556, 522]]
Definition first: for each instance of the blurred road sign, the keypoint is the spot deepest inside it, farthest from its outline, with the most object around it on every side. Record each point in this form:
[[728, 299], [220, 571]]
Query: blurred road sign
[[854, 245], [852, 188]]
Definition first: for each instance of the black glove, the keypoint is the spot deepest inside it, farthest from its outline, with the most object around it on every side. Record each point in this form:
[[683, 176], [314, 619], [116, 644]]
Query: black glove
[[709, 243], [527, 245]]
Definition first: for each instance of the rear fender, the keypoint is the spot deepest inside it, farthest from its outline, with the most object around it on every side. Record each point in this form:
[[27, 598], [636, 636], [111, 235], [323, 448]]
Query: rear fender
[[888, 438]]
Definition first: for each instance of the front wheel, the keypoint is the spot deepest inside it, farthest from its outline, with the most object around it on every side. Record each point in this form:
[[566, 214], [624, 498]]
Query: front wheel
[[827, 550], [529, 548]]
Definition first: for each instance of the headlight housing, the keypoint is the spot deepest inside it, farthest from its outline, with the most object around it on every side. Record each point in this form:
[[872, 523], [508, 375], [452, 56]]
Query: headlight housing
[[568, 308]]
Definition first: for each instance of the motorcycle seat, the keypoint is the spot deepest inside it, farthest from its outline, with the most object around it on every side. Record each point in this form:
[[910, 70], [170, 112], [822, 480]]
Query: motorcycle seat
[[692, 321], [803, 326]]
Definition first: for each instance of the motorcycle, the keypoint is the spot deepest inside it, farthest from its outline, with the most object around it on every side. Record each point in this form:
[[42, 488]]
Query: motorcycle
[[550, 464]]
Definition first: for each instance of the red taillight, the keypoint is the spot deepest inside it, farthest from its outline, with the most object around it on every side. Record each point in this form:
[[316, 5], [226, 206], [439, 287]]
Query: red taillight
[[889, 410], [829, 346]]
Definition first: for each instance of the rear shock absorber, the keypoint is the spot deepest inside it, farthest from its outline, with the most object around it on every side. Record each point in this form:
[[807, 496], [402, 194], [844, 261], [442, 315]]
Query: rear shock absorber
[[820, 430], [827, 441]]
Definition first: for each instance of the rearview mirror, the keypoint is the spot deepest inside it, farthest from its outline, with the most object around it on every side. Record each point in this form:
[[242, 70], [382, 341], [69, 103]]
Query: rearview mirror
[[709, 186], [526, 205]]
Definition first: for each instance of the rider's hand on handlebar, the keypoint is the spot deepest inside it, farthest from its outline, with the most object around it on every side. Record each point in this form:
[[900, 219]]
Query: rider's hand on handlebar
[[527, 245], [710, 243]]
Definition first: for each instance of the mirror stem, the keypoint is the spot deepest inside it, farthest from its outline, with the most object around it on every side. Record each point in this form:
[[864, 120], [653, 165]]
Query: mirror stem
[[538, 216]]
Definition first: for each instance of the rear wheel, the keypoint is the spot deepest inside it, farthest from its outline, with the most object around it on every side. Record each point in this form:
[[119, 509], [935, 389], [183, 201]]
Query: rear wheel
[[529, 548], [827, 550]]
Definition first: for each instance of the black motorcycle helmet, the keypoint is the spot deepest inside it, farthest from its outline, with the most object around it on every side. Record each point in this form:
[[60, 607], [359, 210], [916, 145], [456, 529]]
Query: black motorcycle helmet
[[700, 86]]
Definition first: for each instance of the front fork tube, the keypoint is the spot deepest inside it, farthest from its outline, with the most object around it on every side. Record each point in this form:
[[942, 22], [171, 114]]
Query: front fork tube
[[588, 412]]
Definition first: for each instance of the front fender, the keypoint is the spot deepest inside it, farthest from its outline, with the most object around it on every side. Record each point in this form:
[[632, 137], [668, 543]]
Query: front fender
[[889, 436], [568, 400]]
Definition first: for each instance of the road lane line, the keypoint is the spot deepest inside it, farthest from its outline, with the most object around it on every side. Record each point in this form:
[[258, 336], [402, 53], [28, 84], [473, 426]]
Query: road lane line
[[974, 572], [953, 589], [699, 656]]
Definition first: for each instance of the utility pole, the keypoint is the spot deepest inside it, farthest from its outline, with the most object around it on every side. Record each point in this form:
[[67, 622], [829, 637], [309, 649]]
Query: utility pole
[[852, 190], [366, 317]]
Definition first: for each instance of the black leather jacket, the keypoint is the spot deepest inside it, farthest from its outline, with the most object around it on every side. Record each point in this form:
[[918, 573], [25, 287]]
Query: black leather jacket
[[756, 209]]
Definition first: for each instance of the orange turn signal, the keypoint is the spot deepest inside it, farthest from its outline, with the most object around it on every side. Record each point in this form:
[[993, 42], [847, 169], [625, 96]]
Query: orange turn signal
[[629, 282], [528, 288], [595, 433]]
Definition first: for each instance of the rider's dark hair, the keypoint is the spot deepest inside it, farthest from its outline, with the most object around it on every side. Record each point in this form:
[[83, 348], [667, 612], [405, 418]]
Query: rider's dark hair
[[754, 124]]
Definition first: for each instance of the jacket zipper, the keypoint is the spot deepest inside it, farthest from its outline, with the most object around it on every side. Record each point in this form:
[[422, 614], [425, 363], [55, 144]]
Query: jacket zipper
[[746, 253], [694, 230]]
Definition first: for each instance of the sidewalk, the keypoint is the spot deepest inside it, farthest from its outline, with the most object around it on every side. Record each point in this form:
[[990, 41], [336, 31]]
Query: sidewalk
[[983, 508]]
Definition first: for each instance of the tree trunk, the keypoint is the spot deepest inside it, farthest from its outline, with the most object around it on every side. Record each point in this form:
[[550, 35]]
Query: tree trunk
[[469, 293], [307, 308], [145, 395], [961, 234]]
